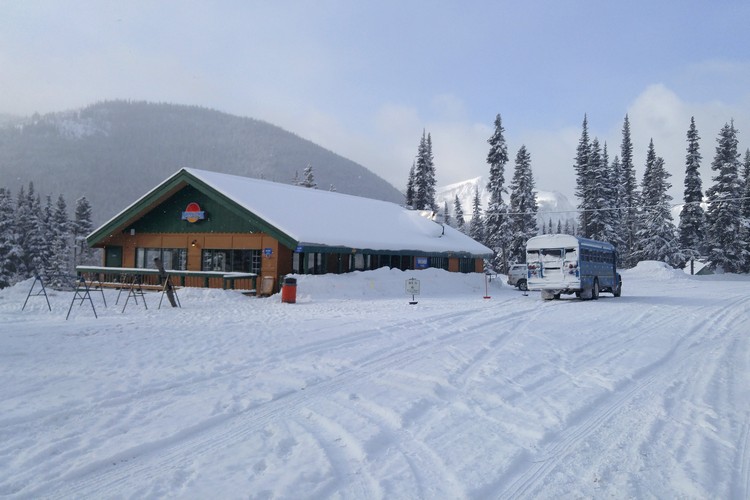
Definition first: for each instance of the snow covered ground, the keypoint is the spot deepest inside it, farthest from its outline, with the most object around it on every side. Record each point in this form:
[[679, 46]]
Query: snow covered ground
[[353, 393]]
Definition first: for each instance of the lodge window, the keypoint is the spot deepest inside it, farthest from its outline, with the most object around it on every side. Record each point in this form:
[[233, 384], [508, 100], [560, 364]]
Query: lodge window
[[361, 262], [242, 261], [309, 263], [439, 262], [466, 265], [172, 258]]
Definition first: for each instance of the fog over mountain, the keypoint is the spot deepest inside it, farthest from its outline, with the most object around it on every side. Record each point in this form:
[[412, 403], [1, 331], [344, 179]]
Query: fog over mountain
[[553, 205], [114, 152]]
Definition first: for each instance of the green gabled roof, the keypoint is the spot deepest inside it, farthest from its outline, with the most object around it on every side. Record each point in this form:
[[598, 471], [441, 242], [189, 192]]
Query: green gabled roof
[[169, 188]]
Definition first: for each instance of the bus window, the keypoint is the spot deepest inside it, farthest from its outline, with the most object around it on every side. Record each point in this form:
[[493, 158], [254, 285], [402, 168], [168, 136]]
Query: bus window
[[551, 254]]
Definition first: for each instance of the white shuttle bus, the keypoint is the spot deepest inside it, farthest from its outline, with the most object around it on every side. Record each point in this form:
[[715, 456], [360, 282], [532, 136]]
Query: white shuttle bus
[[565, 264]]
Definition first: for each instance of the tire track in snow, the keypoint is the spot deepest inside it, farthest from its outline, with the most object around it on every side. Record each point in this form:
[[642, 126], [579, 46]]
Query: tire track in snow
[[741, 477], [156, 460], [522, 480]]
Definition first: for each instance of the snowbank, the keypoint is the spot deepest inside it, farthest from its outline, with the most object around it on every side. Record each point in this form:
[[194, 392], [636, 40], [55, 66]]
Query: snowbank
[[655, 270]]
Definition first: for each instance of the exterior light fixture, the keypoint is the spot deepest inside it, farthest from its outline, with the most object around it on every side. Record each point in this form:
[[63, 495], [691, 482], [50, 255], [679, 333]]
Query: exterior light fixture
[[193, 243]]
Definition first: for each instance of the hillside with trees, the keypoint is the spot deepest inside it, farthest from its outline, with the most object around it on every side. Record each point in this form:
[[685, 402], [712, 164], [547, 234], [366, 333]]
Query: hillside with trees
[[114, 152]]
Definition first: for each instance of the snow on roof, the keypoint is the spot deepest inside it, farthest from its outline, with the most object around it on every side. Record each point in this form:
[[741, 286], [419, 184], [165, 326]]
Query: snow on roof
[[323, 218]]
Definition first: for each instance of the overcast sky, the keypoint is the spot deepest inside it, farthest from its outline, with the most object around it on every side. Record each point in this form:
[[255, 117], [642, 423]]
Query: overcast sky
[[365, 78]]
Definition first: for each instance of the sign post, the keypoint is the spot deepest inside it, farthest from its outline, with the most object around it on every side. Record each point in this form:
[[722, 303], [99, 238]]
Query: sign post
[[412, 287]]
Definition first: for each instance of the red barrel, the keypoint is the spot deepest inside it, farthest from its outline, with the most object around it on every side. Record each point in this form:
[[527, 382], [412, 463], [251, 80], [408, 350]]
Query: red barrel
[[289, 290]]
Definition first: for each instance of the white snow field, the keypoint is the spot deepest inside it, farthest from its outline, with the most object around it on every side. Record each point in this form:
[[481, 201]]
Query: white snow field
[[352, 393]]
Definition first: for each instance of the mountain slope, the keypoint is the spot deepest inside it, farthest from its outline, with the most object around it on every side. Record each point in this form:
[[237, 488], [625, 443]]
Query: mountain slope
[[113, 152]]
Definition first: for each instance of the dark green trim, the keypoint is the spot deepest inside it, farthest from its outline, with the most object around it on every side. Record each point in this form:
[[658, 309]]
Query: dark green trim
[[169, 187]]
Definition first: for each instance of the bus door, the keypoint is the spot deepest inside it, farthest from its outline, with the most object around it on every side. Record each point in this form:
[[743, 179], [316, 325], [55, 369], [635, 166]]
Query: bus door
[[552, 262]]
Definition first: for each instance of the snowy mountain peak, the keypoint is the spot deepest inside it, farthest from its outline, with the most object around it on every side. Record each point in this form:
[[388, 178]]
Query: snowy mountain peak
[[553, 205]]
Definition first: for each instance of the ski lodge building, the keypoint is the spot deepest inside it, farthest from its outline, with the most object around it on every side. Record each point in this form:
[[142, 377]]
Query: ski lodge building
[[197, 220]]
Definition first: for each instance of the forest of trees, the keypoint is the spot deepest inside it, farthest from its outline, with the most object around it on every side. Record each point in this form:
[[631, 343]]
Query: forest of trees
[[612, 206], [41, 239]]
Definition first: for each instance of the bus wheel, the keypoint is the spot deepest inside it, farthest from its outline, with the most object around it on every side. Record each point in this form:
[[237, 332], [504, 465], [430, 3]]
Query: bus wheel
[[618, 289], [595, 290]]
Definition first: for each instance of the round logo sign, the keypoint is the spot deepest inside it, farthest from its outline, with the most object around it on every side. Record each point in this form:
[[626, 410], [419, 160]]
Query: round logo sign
[[193, 212]]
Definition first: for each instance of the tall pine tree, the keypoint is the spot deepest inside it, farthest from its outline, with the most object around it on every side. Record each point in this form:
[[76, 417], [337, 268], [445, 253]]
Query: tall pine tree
[[746, 208], [10, 251], [726, 249], [497, 232], [629, 197], [656, 237], [410, 187], [599, 194], [476, 225], [617, 215], [59, 265], [523, 206], [424, 176], [458, 212], [446, 214], [583, 181], [692, 217], [81, 227]]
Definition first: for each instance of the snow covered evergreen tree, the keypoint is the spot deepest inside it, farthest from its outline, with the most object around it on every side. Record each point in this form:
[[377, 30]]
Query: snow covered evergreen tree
[[47, 242], [410, 189], [446, 214], [458, 212], [36, 251], [10, 252], [726, 249], [82, 227], [656, 237], [745, 210], [476, 226], [497, 225], [59, 265], [617, 215], [692, 217], [600, 196], [629, 198], [308, 178], [23, 223], [523, 206], [583, 181], [30, 230], [424, 176]]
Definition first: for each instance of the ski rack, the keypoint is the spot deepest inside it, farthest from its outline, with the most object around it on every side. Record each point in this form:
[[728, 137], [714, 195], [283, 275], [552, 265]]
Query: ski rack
[[93, 281], [43, 291], [83, 292], [135, 288]]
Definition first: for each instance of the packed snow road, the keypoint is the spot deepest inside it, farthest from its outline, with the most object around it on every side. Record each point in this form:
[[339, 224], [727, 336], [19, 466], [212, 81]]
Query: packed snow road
[[353, 393]]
